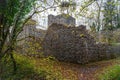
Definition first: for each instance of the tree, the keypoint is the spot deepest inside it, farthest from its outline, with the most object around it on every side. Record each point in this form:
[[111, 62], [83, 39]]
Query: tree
[[13, 16], [98, 20], [110, 15], [118, 14], [68, 6]]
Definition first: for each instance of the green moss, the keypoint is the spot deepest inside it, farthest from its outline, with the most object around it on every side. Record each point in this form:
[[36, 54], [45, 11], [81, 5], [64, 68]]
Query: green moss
[[82, 35]]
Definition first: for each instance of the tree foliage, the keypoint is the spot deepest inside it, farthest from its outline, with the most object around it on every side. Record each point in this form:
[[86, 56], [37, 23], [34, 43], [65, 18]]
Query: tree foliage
[[110, 15], [13, 15], [110, 20]]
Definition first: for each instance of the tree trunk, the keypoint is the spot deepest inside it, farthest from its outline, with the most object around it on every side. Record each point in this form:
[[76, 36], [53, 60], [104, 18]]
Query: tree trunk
[[14, 63]]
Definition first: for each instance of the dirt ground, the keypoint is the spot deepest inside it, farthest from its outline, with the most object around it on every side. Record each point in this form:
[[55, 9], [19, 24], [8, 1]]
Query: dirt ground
[[85, 72]]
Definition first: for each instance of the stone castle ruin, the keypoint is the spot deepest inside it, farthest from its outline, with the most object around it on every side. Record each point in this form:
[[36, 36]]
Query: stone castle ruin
[[61, 19], [30, 31], [73, 44], [30, 39], [64, 40]]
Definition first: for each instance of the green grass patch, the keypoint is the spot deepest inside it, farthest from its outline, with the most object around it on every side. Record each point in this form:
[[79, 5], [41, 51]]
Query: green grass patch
[[25, 69], [110, 73], [33, 69]]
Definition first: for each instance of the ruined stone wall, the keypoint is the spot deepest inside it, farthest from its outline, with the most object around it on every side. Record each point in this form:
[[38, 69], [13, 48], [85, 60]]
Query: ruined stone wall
[[61, 19], [72, 44], [114, 49]]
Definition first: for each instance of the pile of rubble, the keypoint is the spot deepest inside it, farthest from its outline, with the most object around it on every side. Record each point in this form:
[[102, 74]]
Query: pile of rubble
[[72, 44]]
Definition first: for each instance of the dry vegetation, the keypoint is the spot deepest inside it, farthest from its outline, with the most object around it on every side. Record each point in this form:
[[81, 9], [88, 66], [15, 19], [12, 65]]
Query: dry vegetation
[[51, 69]]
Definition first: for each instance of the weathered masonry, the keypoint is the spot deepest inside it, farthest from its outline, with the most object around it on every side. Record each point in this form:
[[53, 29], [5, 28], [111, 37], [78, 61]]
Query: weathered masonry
[[61, 19], [73, 44]]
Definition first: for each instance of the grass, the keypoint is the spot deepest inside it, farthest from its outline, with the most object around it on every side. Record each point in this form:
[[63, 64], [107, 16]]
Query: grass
[[34, 69], [25, 69], [50, 69], [54, 69], [111, 72]]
